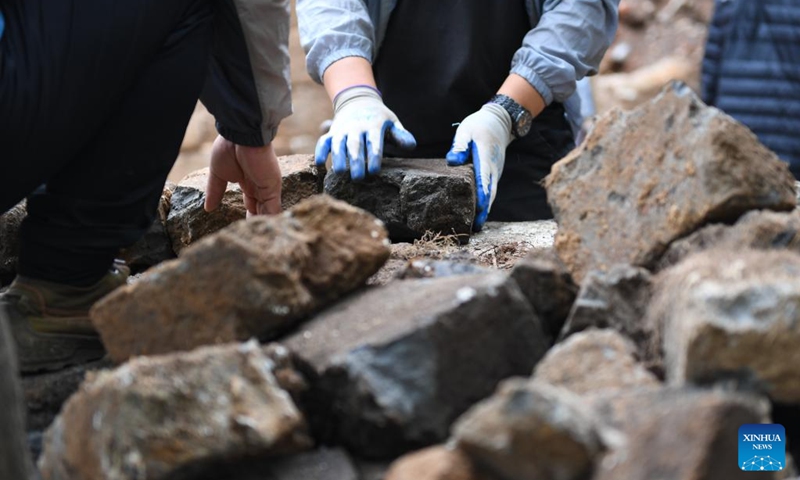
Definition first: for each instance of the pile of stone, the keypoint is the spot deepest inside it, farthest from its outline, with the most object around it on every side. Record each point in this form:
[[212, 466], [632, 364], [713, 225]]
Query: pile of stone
[[657, 41], [666, 315]]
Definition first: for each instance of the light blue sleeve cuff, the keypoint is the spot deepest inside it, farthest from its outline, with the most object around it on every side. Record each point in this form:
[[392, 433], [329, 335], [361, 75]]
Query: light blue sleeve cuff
[[535, 80], [337, 55]]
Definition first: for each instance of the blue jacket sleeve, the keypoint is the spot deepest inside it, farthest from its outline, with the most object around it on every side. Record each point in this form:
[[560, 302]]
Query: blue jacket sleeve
[[334, 29], [566, 45]]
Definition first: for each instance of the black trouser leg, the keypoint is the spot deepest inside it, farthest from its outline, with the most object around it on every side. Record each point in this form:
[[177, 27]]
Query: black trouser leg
[[95, 97]]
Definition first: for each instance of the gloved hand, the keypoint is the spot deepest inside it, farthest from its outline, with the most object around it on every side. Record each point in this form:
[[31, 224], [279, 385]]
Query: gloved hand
[[255, 169], [360, 120], [484, 136]]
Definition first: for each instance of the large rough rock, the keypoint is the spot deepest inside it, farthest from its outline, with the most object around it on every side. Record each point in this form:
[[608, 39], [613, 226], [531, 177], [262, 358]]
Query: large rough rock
[[435, 463], [15, 462], [733, 316], [761, 230], [413, 196], [594, 361], [618, 300], [678, 434], [45, 393], [157, 417], [392, 367], [620, 199], [10, 223], [188, 222], [254, 278], [155, 246], [547, 284], [531, 431]]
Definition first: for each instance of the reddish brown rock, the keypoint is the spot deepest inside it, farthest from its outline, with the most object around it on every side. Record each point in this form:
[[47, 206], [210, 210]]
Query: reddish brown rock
[[157, 416], [254, 278], [645, 178], [732, 317], [678, 434], [301, 179], [188, 221], [435, 463], [532, 431], [593, 361]]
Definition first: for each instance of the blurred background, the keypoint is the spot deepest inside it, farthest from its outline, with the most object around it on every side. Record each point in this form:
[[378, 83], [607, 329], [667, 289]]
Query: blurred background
[[658, 41]]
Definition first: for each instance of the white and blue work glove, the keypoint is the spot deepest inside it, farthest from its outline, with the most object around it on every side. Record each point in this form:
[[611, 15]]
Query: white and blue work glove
[[484, 136], [360, 122]]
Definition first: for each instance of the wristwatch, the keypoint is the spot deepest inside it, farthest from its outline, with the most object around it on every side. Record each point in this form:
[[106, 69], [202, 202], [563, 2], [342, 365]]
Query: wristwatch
[[520, 116]]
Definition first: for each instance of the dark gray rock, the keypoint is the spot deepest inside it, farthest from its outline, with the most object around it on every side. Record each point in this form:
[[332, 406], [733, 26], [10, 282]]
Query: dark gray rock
[[10, 223], [761, 230], [46, 393], [15, 462], [393, 366], [531, 431], [321, 464], [618, 300], [188, 222], [677, 434], [155, 246], [619, 199], [732, 317], [546, 282], [372, 469], [413, 196]]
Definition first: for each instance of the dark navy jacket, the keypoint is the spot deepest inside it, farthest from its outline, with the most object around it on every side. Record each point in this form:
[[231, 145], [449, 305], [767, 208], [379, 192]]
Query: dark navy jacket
[[751, 70]]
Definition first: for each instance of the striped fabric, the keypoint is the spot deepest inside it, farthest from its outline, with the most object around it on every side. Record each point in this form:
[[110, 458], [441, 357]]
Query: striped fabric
[[751, 70]]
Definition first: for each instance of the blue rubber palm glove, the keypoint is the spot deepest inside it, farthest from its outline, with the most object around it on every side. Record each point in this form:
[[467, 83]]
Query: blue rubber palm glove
[[484, 136], [360, 122]]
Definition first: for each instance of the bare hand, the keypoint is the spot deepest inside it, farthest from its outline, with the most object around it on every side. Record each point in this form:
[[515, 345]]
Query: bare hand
[[255, 169]]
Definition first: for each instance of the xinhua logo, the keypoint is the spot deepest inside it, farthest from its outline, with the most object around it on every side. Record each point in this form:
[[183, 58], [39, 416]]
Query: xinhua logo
[[762, 447]]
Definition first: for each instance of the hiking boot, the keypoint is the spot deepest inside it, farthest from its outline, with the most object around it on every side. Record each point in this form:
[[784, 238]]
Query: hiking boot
[[50, 321]]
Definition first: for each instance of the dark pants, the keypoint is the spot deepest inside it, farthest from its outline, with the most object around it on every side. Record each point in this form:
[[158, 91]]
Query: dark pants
[[15, 459], [95, 96]]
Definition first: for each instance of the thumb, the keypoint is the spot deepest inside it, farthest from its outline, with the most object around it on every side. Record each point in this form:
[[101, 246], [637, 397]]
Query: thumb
[[459, 152]]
